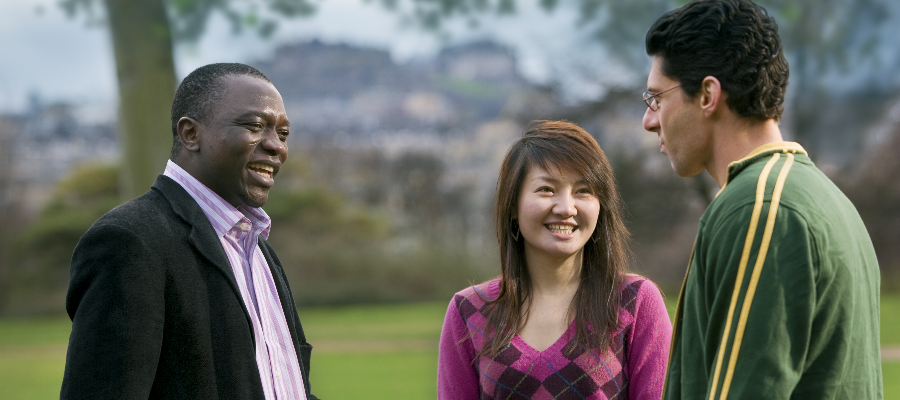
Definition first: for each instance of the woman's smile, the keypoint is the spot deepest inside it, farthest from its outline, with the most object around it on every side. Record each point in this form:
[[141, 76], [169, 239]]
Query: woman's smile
[[557, 212]]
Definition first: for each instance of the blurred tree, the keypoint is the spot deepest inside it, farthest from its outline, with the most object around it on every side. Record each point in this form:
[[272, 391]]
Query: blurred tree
[[875, 192], [143, 32], [418, 177], [8, 206], [334, 251], [822, 38], [42, 249]]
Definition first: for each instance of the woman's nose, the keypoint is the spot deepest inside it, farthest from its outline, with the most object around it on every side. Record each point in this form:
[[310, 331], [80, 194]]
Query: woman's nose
[[565, 206]]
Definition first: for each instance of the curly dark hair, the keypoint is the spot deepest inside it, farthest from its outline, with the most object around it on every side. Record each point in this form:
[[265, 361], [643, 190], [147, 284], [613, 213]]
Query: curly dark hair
[[200, 90], [735, 41]]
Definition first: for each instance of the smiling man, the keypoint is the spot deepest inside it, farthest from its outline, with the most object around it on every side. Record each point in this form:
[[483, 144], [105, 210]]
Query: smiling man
[[781, 295], [177, 293]]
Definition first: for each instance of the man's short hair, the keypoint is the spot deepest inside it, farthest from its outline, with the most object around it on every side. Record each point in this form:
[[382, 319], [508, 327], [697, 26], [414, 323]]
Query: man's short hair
[[735, 41], [200, 90]]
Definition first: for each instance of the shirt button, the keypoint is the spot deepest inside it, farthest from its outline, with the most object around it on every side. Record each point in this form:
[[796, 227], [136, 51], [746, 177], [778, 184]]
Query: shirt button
[[245, 226], [277, 373]]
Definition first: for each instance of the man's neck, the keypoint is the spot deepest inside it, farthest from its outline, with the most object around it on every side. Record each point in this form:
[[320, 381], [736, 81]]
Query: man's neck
[[736, 139]]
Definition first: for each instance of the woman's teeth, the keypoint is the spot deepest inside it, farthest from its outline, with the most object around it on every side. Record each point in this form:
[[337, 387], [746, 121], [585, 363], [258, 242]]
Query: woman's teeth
[[561, 229]]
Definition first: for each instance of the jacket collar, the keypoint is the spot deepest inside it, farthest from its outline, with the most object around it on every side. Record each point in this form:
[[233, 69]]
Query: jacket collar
[[735, 167], [203, 237]]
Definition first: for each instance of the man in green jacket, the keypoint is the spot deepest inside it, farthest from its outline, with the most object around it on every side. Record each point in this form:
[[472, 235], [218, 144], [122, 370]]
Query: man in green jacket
[[781, 295]]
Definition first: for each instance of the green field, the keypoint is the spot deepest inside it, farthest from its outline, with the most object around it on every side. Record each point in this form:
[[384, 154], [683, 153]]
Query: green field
[[359, 351], [890, 320]]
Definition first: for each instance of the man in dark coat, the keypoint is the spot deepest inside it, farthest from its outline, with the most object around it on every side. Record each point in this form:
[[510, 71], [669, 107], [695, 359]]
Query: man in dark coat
[[177, 293]]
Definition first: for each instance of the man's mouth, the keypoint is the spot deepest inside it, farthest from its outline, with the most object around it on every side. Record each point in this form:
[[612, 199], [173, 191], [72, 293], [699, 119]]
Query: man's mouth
[[262, 169], [561, 229]]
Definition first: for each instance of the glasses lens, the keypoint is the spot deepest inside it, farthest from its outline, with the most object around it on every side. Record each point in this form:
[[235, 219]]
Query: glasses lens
[[648, 99]]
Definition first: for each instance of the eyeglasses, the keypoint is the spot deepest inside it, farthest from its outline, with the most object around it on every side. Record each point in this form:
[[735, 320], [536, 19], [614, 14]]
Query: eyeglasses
[[652, 99]]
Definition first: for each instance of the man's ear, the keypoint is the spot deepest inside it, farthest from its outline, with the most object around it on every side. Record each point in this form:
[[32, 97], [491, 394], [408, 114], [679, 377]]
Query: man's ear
[[711, 95], [188, 134]]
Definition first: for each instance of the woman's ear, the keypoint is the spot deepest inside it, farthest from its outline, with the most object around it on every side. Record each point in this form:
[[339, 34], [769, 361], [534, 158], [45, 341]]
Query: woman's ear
[[188, 133]]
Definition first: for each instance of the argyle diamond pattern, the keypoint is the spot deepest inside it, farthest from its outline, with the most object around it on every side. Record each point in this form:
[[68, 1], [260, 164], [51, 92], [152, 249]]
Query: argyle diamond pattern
[[521, 372]]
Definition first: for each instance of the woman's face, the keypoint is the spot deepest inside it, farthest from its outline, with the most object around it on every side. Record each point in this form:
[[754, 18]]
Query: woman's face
[[557, 213]]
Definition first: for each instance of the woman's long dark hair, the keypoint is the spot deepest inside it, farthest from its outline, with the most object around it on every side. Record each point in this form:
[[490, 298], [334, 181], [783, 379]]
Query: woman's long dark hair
[[567, 147]]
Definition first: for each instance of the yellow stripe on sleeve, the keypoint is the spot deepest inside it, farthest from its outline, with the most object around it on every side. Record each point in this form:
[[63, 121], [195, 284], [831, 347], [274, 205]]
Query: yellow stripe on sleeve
[[745, 256], [757, 270]]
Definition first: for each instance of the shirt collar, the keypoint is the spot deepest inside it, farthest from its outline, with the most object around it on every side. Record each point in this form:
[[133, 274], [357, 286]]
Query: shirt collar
[[222, 215], [736, 167]]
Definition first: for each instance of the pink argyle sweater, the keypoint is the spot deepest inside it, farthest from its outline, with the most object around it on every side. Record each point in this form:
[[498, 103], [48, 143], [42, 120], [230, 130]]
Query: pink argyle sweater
[[633, 368]]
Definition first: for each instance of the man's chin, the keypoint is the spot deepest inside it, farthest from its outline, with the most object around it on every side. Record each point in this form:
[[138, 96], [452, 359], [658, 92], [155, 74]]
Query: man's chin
[[684, 171], [256, 197]]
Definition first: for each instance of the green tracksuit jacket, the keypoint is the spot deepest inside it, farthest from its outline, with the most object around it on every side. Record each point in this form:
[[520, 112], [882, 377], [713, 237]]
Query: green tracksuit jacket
[[780, 300]]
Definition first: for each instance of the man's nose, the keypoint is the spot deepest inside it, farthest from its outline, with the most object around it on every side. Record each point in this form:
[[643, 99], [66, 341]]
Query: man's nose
[[272, 143], [651, 120]]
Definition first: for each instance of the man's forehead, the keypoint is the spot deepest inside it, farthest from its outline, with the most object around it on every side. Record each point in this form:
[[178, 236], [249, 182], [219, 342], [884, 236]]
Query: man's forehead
[[245, 96], [249, 88], [656, 79], [236, 80]]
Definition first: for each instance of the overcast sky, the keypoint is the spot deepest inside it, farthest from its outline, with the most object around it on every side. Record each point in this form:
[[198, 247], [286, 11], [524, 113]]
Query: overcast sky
[[57, 58]]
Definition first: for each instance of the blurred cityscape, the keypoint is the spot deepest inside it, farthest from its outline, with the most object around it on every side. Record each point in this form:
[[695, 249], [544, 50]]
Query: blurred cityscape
[[388, 191]]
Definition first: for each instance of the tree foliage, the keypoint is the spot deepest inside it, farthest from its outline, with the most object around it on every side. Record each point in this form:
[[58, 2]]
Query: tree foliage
[[334, 251], [188, 18], [144, 33], [822, 38], [836, 33]]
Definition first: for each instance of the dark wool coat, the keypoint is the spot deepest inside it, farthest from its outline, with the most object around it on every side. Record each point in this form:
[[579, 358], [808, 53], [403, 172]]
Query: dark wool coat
[[156, 311]]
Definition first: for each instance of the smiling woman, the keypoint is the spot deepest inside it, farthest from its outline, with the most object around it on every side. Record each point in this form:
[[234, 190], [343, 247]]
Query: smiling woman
[[564, 319], [557, 214]]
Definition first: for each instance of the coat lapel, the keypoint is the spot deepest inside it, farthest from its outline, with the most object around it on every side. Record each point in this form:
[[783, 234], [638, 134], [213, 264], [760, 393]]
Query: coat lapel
[[203, 237]]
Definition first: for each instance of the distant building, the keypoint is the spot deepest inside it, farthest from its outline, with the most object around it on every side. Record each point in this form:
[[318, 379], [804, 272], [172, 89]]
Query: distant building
[[359, 92], [45, 143]]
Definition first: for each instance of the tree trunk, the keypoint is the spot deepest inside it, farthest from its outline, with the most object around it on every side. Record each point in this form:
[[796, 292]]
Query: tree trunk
[[8, 206], [142, 44]]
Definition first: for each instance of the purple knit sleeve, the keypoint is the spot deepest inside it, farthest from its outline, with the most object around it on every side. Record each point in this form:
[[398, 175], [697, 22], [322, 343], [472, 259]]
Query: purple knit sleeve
[[648, 350], [457, 378]]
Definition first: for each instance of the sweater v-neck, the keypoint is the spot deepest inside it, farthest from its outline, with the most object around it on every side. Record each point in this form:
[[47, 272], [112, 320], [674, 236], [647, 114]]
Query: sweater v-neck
[[556, 347]]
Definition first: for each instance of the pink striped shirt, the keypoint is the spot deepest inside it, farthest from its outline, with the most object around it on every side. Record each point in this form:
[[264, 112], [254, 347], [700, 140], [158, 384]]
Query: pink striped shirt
[[238, 229]]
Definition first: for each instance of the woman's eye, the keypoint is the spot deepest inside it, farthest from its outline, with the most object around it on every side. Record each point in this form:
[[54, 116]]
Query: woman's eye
[[545, 189]]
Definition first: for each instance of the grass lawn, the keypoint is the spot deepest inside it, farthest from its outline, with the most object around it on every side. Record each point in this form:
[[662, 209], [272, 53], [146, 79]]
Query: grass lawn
[[360, 352], [890, 320], [372, 352], [32, 356]]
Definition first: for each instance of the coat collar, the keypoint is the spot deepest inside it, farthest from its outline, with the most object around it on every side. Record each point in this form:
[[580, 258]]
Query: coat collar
[[735, 167], [203, 237]]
